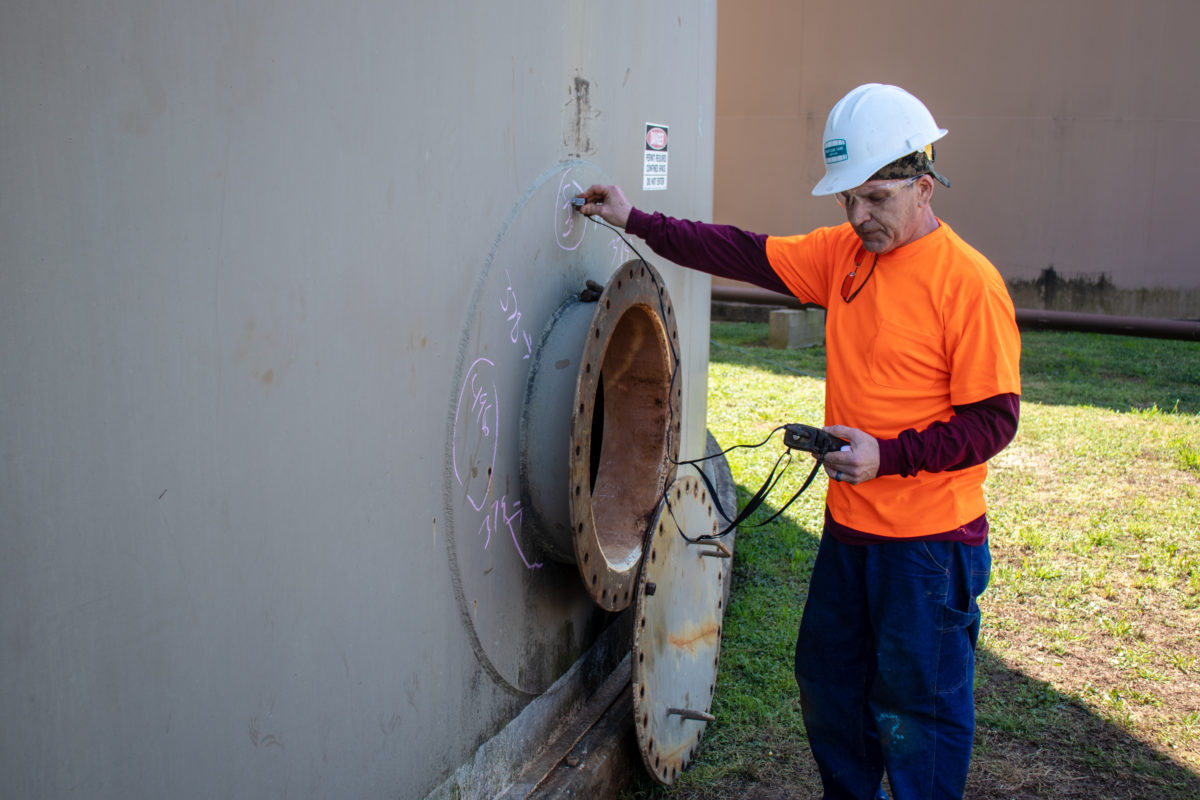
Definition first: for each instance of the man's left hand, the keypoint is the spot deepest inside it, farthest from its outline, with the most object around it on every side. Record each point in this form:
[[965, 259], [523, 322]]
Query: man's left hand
[[855, 463]]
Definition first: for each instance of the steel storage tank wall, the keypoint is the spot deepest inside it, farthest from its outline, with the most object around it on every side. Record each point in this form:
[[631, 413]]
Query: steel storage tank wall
[[263, 268]]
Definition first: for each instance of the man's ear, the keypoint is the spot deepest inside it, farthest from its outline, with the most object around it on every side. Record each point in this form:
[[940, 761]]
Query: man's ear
[[924, 189]]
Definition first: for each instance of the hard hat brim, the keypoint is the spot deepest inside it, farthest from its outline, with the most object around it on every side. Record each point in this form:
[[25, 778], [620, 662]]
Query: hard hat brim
[[847, 178]]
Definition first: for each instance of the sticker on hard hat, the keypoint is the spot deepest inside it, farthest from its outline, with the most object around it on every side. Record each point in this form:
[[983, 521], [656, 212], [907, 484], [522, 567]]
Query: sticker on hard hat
[[835, 150]]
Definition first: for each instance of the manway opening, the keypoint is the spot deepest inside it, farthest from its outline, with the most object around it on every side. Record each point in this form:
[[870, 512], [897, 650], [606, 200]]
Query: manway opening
[[597, 432], [630, 424], [623, 424]]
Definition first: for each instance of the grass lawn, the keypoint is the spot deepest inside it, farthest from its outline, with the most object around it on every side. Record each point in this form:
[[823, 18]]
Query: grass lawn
[[1088, 676]]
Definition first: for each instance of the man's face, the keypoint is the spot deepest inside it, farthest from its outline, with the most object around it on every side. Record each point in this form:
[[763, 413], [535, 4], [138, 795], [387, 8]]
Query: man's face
[[887, 214]]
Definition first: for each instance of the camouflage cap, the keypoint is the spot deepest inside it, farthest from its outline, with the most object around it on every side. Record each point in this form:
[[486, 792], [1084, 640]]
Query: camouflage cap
[[916, 163]]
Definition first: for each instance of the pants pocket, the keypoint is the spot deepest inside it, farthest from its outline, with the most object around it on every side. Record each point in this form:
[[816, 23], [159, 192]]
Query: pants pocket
[[956, 661]]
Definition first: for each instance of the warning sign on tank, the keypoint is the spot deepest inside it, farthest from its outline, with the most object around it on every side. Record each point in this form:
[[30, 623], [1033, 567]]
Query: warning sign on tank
[[654, 175]]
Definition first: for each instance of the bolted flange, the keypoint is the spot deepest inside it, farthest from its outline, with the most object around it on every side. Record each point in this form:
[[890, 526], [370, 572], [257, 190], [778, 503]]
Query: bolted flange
[[622, 429], [677, 633]]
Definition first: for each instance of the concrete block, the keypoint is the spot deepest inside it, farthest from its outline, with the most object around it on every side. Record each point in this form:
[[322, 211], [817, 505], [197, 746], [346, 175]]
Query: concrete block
[[792, 328]]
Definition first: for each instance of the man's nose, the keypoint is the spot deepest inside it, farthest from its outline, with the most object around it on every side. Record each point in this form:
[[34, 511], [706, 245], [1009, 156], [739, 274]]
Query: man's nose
[[857, 212]]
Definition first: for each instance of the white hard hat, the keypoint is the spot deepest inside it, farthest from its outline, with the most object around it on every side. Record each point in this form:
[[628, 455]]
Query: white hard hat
[[871, 127]]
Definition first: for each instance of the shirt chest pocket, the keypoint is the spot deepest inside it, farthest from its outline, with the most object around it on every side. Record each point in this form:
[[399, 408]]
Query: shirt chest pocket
[[902, 358]]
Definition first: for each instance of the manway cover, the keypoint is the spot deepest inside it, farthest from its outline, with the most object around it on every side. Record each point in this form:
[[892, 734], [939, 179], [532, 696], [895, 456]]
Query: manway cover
[[677, 640]]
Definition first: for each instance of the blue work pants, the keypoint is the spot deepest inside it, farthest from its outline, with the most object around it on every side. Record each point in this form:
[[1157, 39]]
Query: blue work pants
[[885, 660]]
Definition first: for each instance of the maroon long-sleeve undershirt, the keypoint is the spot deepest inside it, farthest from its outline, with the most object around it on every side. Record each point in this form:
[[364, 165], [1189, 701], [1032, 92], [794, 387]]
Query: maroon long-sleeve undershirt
[[972, 435]]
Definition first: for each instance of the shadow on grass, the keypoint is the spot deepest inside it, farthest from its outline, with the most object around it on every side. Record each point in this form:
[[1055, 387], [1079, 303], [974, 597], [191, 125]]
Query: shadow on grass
[[1115, 372], [1032, 741]]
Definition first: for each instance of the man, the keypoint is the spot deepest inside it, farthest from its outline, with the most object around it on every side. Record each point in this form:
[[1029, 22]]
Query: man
[[923, 381]]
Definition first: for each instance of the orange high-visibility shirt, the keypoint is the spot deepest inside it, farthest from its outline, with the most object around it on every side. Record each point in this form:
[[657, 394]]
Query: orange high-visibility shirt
[[933, 327]]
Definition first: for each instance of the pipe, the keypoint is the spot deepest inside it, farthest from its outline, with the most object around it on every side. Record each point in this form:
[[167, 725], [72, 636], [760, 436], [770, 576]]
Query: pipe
[[1028, 319], [600, 428], [755, 296]]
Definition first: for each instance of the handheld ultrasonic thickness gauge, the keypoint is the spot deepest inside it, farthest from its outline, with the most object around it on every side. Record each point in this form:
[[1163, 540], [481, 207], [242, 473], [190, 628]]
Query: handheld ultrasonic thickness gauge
[[810, 439]]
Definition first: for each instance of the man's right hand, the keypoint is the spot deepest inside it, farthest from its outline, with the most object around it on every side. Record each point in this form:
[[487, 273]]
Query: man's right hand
[[608, 203]]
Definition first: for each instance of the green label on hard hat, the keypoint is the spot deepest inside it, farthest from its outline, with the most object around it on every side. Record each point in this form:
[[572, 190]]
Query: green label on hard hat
[[835, 150]]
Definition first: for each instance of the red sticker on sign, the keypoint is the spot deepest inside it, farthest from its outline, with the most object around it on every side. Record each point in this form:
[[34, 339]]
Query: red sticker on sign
[[654, 174], [656, 138]]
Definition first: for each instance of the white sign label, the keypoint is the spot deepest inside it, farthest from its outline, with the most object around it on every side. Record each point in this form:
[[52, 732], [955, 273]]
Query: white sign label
[[654, 174]]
